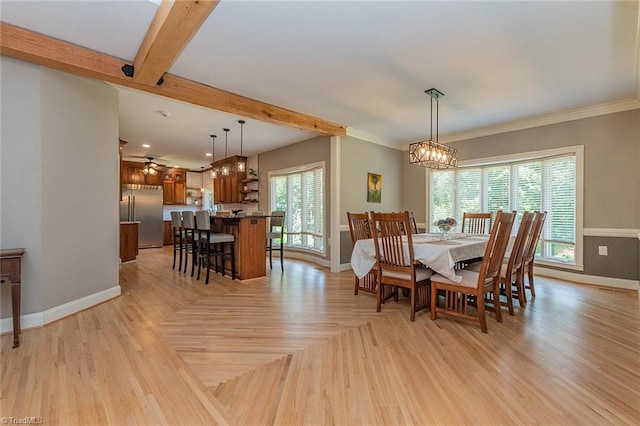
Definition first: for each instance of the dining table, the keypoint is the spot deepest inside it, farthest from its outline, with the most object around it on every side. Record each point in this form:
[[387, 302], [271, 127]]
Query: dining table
[[441, 255]]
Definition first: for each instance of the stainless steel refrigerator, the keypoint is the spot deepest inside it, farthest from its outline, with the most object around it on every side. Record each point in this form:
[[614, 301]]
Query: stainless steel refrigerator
[[144, 203]]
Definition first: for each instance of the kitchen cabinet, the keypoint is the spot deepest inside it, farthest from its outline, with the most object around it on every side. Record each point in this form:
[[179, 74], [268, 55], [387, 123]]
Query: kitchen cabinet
[[167, 233], [131, 173], [227, 188], [128, 241], [174, 186]]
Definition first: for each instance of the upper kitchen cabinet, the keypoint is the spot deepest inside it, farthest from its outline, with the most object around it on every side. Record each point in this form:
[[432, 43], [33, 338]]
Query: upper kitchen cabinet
[[227, 187], [174, 186], [131, 172]]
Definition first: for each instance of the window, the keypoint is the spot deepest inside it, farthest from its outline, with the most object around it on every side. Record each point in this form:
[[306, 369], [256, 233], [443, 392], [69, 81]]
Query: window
[[300, 193], [543, 181]]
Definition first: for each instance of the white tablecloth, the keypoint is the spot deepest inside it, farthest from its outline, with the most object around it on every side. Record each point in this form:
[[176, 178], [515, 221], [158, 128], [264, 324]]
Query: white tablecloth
[[428, 249]]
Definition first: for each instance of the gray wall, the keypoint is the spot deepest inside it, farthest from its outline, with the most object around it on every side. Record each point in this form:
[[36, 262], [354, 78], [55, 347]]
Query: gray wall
[[59, 183], [358, 158], [306, 152], [611, 178]]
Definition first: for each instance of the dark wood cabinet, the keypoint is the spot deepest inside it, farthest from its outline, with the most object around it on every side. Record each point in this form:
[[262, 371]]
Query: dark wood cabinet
[[174, 186], [227, 189], [167, 233], [131, 173]]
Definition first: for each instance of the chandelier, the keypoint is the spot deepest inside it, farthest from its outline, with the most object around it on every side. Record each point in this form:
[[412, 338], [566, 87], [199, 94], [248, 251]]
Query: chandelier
[[430, 153], [150, 168]]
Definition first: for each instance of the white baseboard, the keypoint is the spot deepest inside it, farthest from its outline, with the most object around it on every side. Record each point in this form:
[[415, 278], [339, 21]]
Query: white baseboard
[[38, 319], [345, 267], [587, 279], [303, 256]]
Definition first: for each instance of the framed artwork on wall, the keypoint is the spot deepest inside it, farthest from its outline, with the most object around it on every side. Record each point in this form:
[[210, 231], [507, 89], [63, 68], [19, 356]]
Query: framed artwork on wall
[[374, 188]]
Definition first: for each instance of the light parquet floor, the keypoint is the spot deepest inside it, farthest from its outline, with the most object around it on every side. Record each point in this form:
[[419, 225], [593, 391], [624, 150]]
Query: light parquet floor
[[300, 348]]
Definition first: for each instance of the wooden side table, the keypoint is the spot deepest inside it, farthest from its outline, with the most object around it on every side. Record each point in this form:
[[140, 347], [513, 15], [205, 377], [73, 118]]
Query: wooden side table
[[10, 272]]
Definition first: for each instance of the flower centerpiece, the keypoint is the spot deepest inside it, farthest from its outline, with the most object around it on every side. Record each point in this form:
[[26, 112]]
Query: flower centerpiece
[[445, 225]]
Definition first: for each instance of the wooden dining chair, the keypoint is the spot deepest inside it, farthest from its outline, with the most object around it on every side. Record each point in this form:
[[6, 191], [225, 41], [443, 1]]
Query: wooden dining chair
[[475, 284], [396, 264], [414, 225], [360, 229], [530, 254], [511, 272], [476, 223]]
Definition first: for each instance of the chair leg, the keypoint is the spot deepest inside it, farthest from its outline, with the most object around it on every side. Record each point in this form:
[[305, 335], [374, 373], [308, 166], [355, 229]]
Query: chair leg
[[413, 305], [194, 249], [379, 297], [531, 287], [207, 261], [482, 315], [282, 253], [496, 302], [270, 254], [181, 248], [199, 267], [434, 301], [520, 287], [509, 293], [186, 248], [233, 261], [355, 291], [174, 253]]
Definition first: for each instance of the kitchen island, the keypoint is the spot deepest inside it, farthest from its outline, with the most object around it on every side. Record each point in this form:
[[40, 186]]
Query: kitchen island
[[250, 233], [128, 240]]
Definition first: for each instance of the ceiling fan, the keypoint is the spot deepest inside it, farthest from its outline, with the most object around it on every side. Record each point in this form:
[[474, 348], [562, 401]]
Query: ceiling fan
[[150, 167]]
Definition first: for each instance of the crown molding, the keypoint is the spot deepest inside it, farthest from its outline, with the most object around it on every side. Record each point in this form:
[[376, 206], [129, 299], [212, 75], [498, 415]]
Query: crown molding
[[543, 120], [370, 137]]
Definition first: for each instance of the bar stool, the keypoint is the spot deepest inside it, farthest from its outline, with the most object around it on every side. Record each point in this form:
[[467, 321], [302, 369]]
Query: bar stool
[[212, 244], [178, 237], [277, 222], [189, 228]]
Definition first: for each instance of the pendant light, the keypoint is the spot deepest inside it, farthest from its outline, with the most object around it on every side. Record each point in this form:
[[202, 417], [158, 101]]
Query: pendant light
[[431, 153], [201, 178], [214, 170], [241, 164], [225, 168]]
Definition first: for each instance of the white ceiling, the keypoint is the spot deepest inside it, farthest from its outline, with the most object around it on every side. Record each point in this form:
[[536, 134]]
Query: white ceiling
[[364, 65]]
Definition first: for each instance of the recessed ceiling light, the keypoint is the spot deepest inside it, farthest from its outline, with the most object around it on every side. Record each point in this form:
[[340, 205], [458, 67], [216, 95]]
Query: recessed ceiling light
[[208, 154], [146, 145]]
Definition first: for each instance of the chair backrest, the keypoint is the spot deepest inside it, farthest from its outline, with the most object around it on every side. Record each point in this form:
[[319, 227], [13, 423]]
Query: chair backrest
[[414, 225], [176, 220], [496, 247], [277, 219], [359, 226], [516, 258], [188, 221], [203, 220], [538, 224], [390, 241], [476, 223]]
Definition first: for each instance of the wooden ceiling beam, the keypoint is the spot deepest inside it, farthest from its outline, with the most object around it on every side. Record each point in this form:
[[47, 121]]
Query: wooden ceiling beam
[[175, 23], [42, 50]]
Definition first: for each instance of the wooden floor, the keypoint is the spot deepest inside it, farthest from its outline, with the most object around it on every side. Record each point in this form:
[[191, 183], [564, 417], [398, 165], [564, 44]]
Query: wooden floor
[[299, 348]]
